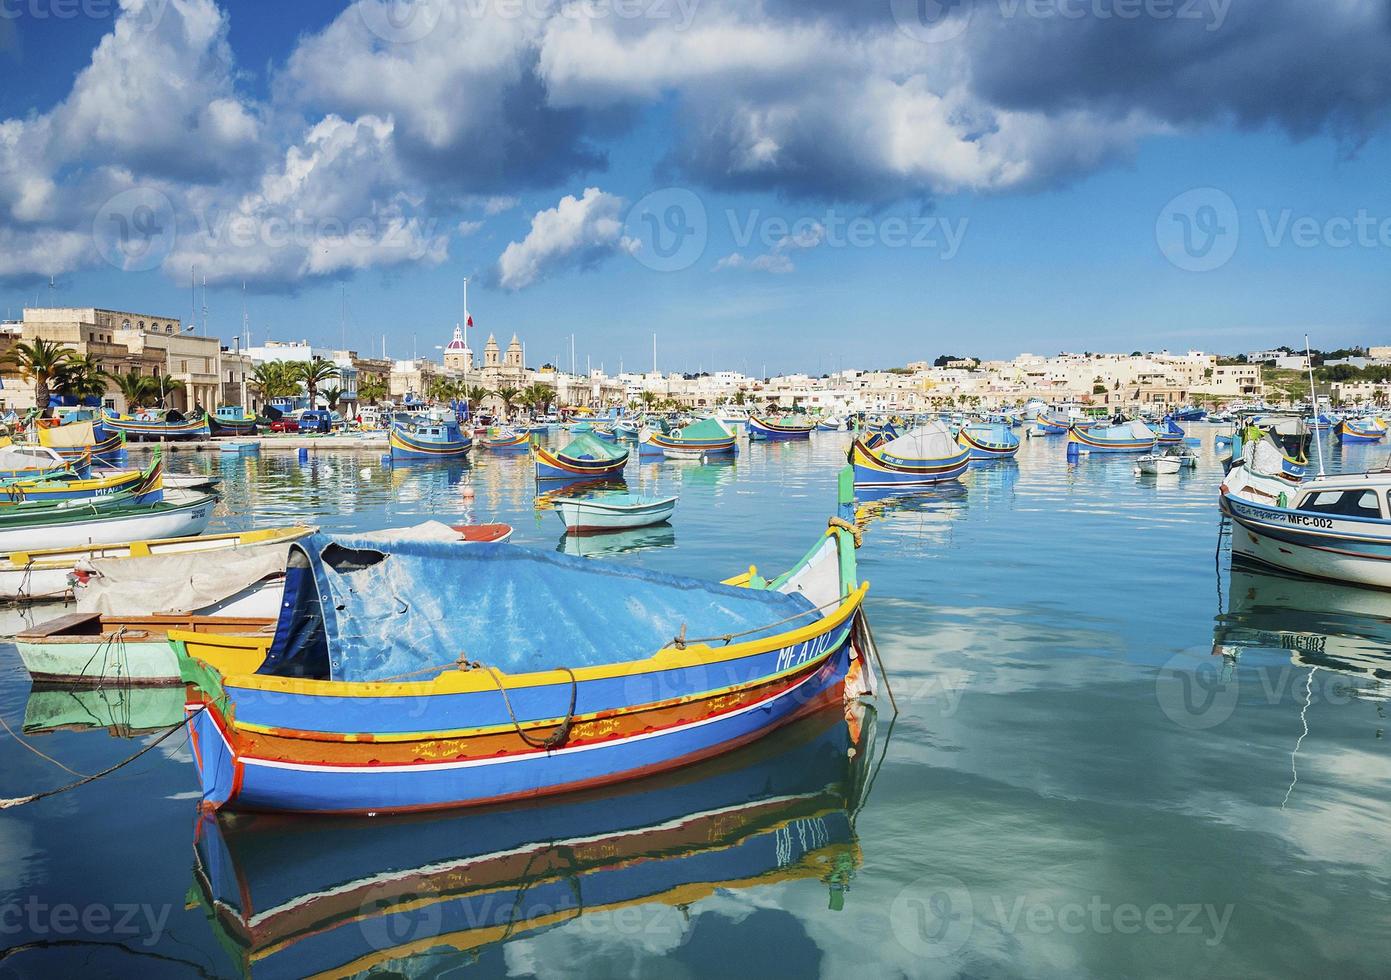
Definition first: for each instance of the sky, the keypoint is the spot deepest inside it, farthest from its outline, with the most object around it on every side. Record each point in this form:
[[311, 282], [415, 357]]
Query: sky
[[765, 185]]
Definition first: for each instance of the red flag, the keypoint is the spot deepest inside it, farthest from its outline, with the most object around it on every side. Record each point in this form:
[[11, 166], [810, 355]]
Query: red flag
[[470, 320]]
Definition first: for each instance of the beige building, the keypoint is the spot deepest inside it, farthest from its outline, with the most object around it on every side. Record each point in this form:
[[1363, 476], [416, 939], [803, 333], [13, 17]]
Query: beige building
[[122, 341]]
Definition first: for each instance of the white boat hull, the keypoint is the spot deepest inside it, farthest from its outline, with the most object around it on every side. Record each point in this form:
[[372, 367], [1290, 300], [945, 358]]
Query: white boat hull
[[589, 517], [185, 520], [1157, 466]]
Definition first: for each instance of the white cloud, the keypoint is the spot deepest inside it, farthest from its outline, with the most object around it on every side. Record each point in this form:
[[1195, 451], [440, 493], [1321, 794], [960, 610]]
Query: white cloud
[[576, 233], [467, 228], [772, 262]]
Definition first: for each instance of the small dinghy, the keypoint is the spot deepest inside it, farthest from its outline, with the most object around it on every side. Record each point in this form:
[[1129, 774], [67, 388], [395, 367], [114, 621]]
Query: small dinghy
[[614, 512], [1157, 464]]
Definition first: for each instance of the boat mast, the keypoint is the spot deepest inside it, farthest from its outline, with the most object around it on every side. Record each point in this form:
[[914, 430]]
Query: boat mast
[[1314, 399]]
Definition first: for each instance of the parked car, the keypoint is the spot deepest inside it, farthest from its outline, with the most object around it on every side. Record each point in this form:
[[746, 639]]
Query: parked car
[[315, 421], [284, 424]]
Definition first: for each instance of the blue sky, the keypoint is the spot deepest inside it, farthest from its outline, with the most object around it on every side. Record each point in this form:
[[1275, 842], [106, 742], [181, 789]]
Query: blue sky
[[766, 185]]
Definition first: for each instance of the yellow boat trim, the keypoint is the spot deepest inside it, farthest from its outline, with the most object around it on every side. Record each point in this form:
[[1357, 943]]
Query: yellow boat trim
[[19, 560]]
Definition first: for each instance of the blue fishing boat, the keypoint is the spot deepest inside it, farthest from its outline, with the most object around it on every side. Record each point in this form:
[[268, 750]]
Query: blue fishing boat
[[1361, 430], [584, 458], [1132, 437], [504, 441], [83, 439], [1167, 432], [437, 437], [988, 440], [920, 457], [160, 425], [1045, 425], [577, 673], [444, 892], [708, 437], [772, 430], [232, 420], [29, 462]]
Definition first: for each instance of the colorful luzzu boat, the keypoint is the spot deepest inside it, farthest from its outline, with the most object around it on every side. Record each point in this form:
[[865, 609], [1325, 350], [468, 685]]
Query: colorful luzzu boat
[[920, 457], [436, 894], [761, 428], [143, 486], [1167, 432], [708, 437], [26, 462], [232, 420], [1328, 527], [157, 426], [1361, 430], [584, 458], [80, 439], [435, 439], [1132, 437], [989, 441], [394, 684], [1045, 426], [505, 441]]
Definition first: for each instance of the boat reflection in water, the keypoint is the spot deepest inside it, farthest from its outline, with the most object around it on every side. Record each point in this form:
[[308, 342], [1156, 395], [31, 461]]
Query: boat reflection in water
[[1317, 624], [617, 542], [297, 896], [125, 712]]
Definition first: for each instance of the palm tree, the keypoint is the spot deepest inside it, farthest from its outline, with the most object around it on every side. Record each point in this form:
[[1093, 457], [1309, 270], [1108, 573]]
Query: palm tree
[[508, 396], [276, 379], [649, 399], [371, 391], [541, 396], [38, 362], [331, 398], [81, 377], [314, 373], [474, 395], [164, 387], [439, 389], [137, 390]]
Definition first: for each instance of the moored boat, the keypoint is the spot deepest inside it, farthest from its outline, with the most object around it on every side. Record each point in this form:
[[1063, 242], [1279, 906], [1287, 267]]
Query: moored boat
[[82, 440], [1132, 437], [142, 486], [1157, 464], [103, 520], [1364, 430], [29, 462], [438, 437], [708, 437], [920, 457], [364, 703], [158, 425], [505, 441], [583, 458], [772, 430], [612, 512], [1167, 432], [232, 420], [989, 440]]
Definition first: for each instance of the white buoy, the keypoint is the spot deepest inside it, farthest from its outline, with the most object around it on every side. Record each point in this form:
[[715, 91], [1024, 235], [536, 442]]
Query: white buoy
[[366, 472], [467, 491]]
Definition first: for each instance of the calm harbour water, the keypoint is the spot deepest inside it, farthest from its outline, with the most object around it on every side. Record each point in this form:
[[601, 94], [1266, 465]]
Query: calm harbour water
[[1113, 757]]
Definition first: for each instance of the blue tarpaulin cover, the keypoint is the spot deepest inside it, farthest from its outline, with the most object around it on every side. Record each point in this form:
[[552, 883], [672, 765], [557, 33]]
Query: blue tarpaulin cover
[[391, 608]]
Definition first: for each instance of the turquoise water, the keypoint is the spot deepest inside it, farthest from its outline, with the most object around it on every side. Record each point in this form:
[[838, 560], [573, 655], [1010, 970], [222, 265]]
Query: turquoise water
[[1113, 756]]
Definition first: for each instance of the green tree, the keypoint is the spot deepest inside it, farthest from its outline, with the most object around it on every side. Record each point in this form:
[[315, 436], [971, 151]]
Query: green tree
[[508, 396], [371, 391], [275, 379], [542, 396], [38, 362], [439, 389], [81, 377], [331, 398], [473, 396], [314, 373], [137, 390]]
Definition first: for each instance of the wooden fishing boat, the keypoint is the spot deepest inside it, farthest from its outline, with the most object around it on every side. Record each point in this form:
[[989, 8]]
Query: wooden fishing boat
[[48, 573], [143, 486], [364, 703], [1132, 437], [584, 458], [29, 462], [1167, 432], [84, 439], [767, 429], [1157, 464], [1050, 426], [989, 440], [920, 457], [435, 894], [708, 437], [506, 441], [103, 520], [1328, 527], [613, 512], [158, 425], [1364, 430], [238, 447], [437, 438], [232, 420]]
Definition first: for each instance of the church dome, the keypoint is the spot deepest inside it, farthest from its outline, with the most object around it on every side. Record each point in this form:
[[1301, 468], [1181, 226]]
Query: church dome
[[457, 345]]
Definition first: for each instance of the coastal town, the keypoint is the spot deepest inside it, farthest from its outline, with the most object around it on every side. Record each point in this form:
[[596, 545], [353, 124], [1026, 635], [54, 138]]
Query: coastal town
[[207, 372]]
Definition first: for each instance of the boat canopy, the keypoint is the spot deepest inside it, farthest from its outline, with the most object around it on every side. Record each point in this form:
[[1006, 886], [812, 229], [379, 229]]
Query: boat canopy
[[1115, 433], [585, 446], [991, 433], [705, 429], [931, 440], [374, 610], [73, 435]]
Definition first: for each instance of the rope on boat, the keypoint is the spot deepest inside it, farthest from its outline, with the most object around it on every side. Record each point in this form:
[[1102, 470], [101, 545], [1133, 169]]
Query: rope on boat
[[6, 804], [867, 640], [558, 737], [855, 532], [682, 641], [42, 755]]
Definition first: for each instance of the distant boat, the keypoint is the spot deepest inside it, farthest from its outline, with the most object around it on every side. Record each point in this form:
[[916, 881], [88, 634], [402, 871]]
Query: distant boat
[[772, 430], [239, 446], [987, 440], [505, 440], [1361, 430], [613, 512], [1167, 432], [1132, 437], [584, 458], [232, 420], [1158, 464], [920, 457], [158, 425], [81, 439], [708, 437], [436, 438]]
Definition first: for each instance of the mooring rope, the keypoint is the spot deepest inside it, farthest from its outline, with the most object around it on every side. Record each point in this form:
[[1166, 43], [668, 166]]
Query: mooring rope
[[6, 804]]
